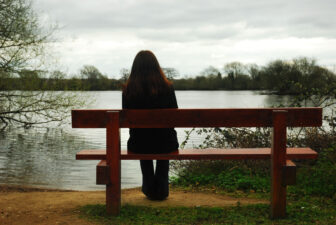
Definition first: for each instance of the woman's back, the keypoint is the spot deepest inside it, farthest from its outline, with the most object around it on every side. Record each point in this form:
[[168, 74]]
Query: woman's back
[[152, 140]]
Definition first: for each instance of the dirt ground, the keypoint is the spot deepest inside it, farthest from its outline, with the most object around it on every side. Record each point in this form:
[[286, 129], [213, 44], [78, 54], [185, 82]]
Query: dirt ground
[[20, 205]]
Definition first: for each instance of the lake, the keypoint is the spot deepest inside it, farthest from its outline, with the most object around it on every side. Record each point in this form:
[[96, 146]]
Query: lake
[[45, 157]]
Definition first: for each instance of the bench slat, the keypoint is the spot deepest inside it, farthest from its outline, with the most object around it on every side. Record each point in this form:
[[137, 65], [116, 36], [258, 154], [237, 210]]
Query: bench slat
[[203, 154], [161, 118]]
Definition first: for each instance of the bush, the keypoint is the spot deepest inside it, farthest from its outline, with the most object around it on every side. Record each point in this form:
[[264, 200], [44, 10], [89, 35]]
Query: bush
[[314, 177]]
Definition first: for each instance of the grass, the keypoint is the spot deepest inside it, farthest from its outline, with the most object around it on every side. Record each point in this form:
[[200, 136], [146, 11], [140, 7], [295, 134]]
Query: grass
[[311, 201], [317, 178], [307, 211]]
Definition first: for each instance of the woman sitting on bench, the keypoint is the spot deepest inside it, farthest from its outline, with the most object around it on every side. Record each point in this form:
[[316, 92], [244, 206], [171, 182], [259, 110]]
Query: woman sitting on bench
[[148, 88]]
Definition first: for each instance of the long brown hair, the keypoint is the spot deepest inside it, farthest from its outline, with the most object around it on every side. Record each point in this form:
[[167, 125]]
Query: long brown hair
[[147, 77]]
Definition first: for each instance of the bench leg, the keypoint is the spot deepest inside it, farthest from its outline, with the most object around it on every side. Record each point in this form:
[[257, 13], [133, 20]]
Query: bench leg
[[112, 186], [278, 195], [113, 192], [278, 161]]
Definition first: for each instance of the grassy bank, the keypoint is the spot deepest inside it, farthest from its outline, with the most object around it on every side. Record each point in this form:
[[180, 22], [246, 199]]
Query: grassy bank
[[306, 211]]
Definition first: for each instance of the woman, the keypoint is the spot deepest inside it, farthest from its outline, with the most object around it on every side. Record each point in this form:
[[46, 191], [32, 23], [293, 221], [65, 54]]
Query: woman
[[148, 88]]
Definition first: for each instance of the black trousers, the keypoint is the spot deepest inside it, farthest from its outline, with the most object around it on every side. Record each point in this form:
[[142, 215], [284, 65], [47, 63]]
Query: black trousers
[[155, 184]]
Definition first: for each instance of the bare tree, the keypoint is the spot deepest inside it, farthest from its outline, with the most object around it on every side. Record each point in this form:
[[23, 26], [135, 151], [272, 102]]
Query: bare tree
[[234, 69], [22, 38], [171, 73], [124, 73], [28, 108], [211, 71], [23, 44]]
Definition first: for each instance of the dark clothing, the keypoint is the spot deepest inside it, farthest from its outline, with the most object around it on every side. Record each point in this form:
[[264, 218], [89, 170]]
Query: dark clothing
[[152, 140], [155, 184]]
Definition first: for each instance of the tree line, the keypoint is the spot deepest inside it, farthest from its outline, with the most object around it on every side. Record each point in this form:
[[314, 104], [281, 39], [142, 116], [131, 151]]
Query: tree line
[[278, 76]]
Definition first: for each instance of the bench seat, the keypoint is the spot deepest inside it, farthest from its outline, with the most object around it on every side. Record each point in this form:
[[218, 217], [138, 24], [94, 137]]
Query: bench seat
[[203, 154]]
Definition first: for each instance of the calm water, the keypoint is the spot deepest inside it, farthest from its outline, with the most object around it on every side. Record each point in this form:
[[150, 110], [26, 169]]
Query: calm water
[[45, 157]]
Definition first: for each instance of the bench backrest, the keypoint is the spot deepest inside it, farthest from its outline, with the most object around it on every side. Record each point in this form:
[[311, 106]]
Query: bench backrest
[[162, 118]]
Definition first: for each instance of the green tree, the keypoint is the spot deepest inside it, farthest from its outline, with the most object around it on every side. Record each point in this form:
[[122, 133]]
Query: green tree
[[297, 77], [91, 73], [94, 78], [237, 76], [57, 81], [253, 71]]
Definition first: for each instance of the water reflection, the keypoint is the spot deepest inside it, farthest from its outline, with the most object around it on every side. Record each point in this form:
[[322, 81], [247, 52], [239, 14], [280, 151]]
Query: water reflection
[[46, 158]]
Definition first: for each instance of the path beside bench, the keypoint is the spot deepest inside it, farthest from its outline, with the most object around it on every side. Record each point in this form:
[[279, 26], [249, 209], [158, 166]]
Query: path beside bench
[[43, 206]]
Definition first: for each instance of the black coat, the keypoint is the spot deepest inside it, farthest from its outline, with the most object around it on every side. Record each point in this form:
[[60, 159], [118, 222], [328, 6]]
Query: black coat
[[152, 140]]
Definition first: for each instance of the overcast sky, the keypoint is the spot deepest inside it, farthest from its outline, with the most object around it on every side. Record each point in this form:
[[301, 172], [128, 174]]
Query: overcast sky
[[190, 35]]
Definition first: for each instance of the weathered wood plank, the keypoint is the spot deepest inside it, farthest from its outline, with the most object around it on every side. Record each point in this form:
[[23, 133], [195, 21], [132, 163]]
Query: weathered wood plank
[[203, 154], [161, 118]]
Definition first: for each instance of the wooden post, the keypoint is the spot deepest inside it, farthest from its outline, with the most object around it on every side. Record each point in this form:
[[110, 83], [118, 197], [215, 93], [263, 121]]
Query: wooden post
[[113, 193], [278, 161]]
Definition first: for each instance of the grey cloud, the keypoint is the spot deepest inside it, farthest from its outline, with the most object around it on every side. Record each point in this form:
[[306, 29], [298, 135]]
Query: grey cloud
[[159, 19]]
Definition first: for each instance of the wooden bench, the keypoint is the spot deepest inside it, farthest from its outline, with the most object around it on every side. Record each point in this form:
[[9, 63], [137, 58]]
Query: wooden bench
[[283, 170]]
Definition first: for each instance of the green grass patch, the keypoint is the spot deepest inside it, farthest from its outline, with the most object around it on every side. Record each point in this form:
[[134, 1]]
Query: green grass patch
[[229, 180], [312, 211]]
